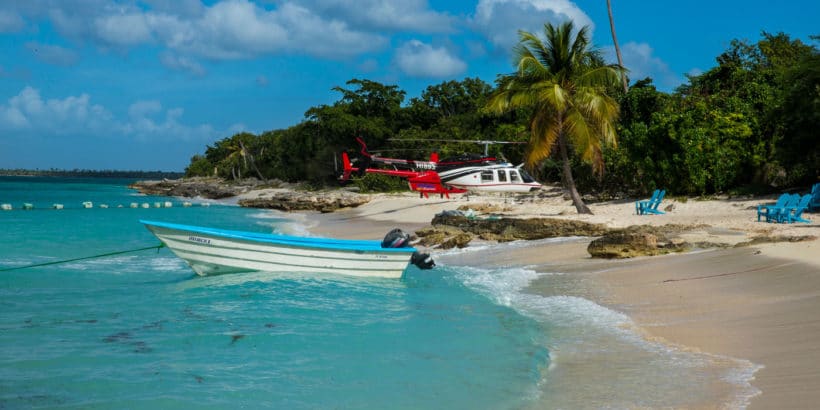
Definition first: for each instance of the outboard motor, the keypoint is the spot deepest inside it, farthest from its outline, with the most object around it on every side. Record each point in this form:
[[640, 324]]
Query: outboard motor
[[396, 239], [422, 260], [400, 239]]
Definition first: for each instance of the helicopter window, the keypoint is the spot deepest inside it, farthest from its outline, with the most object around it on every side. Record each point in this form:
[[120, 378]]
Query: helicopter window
[[502, 175], [514, 176], [487, 176]]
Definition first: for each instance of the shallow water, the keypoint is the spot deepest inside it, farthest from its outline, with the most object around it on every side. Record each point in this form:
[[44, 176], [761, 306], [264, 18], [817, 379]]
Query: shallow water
[[140, 330]]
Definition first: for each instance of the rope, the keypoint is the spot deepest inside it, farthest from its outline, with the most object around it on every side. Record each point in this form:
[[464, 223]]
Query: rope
[[157, 247]]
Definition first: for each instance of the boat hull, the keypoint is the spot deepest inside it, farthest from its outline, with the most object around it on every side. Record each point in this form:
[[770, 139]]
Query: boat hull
[[211, 251]]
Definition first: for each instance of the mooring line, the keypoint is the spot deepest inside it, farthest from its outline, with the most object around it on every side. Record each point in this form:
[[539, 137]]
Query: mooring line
[[157, 247]]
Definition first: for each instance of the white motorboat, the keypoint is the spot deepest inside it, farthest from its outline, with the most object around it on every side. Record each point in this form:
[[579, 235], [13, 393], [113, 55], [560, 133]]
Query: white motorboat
[[211, 251]]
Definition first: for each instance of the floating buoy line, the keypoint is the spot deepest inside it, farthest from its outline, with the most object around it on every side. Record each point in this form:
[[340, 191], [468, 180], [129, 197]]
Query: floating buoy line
[[27, 206], [102, 255]]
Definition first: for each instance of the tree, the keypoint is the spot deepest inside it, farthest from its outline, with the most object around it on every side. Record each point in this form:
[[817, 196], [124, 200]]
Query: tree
[[615, 40], [565, 83]]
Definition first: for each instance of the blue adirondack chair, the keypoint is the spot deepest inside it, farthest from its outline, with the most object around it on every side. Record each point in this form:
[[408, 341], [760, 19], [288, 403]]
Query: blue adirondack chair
[[781, 214], [653, 207], [641, 205], [796, 214], [650, 206], [768, 211], [814, 203]]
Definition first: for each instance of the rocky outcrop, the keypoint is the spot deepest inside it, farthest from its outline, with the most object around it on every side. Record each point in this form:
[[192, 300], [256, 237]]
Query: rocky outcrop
[[774, 239], [646, 240], [280, 199], [510, 229], [452, 229], [211, 188], [307, 201], [635, 241]]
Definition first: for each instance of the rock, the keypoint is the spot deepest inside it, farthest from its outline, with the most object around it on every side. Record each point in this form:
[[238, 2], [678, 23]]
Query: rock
[[634, 241], [433, 239], [669, 208], [515, 229], [453, 229], [774, 239], [459, 241], [211, 188], [307, 201]]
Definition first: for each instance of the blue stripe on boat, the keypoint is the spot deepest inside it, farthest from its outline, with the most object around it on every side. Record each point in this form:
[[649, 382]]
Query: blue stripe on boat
[[300, 241]]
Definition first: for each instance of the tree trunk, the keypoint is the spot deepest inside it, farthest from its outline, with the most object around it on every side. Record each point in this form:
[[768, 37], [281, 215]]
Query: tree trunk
[[615, 40], [580, 206], [249, 158]]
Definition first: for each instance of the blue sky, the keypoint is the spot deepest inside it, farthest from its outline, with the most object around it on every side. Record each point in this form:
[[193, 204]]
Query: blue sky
[[145, 85]]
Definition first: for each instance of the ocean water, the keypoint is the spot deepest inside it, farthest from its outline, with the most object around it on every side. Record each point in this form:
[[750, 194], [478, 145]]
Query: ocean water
[[141, 330]]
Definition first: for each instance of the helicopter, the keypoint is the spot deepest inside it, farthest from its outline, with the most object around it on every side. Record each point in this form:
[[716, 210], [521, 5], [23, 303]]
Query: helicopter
[[452, 175]]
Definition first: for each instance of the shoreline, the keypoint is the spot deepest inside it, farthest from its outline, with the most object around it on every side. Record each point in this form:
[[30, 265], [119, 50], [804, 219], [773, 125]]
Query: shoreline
[[759, 303]]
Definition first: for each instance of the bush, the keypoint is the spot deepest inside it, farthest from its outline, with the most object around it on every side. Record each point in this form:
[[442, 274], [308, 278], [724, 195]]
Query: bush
[[371, 183]]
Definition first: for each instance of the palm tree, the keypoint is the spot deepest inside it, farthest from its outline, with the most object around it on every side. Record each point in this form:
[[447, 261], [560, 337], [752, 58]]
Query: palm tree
[[565, 84], [615, 40]]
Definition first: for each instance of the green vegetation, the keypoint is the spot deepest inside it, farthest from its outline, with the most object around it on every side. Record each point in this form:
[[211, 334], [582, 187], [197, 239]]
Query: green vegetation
[[750, 121]]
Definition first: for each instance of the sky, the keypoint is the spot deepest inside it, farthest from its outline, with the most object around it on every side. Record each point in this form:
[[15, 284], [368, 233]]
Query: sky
[[147, 84]]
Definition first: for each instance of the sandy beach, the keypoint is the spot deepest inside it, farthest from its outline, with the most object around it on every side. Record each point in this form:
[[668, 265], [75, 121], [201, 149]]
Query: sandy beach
[[758, 303]]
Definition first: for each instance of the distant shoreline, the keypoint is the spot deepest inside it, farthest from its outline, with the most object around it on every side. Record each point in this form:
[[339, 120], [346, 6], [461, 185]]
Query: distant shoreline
[[90, 173]]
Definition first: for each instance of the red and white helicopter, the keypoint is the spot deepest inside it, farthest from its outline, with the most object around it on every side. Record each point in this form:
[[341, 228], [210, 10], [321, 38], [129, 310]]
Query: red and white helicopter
[[467, 172]]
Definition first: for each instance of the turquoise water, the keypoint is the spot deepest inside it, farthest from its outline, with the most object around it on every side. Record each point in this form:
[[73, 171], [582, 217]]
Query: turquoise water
[[140, 330]]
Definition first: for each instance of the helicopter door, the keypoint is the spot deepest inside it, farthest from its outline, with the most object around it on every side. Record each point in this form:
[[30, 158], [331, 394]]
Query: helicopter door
[[514, 177], [502, 175]]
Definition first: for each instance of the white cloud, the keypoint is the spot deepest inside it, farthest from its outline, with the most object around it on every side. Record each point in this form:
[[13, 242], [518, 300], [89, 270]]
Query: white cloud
[[10, 22], [384, 15], [310, 34], [500, 20], [368, 66], [641, 62], [230, 29], [52, 54], [143, 109], [123, 29], [181, 63], [28, 113], [186, 8], [418, 59], [694, 72]]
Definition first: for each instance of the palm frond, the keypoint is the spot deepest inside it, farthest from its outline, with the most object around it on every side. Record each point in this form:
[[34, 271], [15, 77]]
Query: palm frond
[[544, 132]]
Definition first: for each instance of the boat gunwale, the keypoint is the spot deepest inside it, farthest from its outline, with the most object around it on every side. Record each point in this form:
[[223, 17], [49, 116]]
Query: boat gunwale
[[284, 240]]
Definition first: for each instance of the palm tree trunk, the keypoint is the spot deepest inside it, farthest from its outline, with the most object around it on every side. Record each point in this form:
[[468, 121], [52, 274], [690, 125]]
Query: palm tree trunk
[[249, 158], [615, 40], [580, 206]]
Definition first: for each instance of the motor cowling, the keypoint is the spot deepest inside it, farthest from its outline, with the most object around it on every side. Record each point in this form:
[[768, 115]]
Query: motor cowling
[[400, 239], [422, 260], [396, 239]]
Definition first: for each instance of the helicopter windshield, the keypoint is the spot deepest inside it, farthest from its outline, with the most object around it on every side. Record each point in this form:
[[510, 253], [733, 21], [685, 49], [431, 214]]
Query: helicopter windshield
[[525, 176]]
